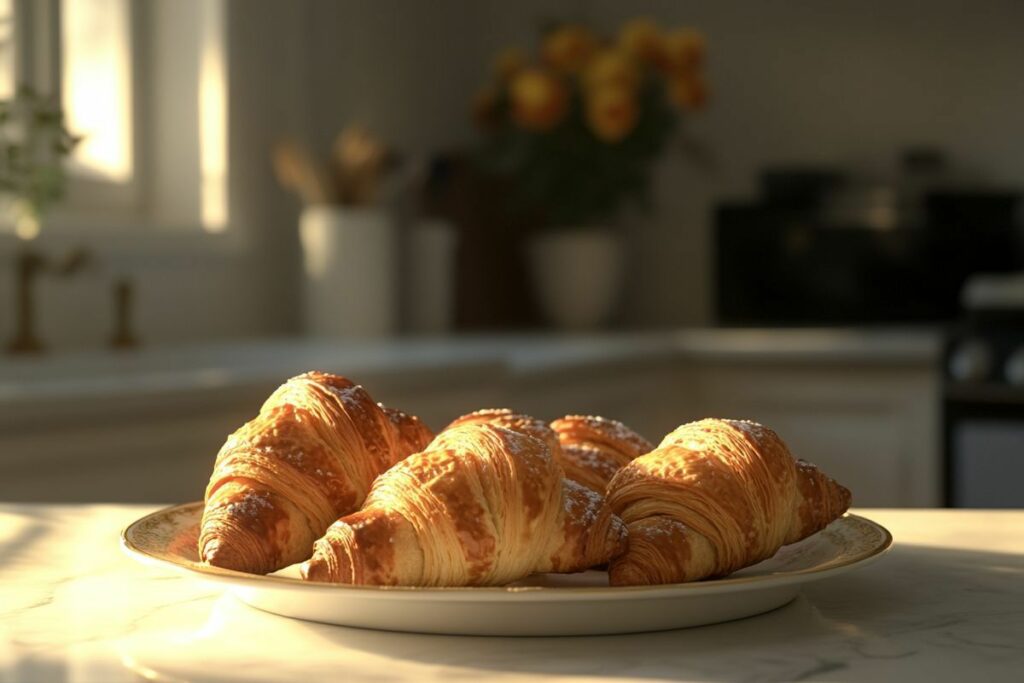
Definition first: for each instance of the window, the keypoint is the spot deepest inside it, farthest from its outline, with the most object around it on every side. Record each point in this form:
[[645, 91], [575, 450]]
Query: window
[[213, 121], [96, 61], [144, 84], [6, 48]]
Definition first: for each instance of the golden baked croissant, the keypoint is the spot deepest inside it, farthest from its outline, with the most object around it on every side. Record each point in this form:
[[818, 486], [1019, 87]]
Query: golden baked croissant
[[595, 448], [483, 505], [517, 422], [309, 457], [589, 449], [716, 496]]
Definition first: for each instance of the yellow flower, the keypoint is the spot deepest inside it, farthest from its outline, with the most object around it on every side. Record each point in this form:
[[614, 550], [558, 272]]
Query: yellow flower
[[612, 67], [688, 91], [641, 38], [684, 49], [539, 99], [568, 48], [485, 108], [611, 112], [508, 63]]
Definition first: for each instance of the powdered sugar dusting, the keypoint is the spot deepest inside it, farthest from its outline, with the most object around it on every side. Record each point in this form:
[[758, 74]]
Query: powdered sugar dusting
[[662, 526], [589, 456], [610, 430], [250, 505], [754, 430], [355, 392], [581, 503], [514, 441]]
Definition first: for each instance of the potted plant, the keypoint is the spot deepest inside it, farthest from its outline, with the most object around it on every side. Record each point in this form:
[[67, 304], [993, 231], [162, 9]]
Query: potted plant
[[33, 145], [575, 132]]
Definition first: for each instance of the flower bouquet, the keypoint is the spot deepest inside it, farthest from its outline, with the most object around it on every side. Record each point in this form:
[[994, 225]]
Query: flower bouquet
[[573, 133], [576, 129]]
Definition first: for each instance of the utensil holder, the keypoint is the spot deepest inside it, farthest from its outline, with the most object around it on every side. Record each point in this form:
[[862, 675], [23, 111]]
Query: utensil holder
[[350, 272]]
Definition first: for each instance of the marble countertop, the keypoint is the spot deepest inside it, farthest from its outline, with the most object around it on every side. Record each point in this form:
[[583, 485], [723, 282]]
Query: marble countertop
[[946, 604], [205, 367]]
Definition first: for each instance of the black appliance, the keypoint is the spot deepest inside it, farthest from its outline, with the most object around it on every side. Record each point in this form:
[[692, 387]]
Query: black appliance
[[782, 260], [983, 406]]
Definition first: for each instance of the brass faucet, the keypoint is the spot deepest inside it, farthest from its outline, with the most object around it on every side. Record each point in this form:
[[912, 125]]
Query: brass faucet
[[124, 296], [28, 265]]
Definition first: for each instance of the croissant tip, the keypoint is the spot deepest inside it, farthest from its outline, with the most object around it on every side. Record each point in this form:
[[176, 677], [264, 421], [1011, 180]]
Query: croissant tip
[[626, 574], [226, 555], [221, 555], [845, 498]]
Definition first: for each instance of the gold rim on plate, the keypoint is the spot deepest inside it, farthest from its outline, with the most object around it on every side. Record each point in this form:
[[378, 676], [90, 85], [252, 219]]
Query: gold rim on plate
[[147, 554]]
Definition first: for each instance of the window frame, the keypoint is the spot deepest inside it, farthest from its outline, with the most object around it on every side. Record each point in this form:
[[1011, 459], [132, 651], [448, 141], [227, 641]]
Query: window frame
[[38, 62], [90, 194], [152, 206]]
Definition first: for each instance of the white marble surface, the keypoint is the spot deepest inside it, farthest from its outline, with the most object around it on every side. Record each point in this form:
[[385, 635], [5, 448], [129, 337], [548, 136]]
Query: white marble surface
[[947, 604], [213, 366]]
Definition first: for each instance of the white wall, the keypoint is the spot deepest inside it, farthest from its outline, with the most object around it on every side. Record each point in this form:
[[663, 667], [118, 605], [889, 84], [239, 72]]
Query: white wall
[[408, 70], [192, 286], [794, 81], [841, 82]]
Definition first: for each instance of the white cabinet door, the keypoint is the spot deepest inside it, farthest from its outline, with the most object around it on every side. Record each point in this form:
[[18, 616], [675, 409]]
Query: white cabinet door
[[162, 449], [874, 429]]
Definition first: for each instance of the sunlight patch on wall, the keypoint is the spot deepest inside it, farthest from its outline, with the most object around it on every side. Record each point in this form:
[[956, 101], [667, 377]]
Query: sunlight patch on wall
[[96, 85], [213, 161], [6, 49]]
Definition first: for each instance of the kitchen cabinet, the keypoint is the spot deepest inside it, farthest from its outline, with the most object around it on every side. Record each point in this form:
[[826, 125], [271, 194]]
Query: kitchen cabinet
[[863, 405], [875, 429]]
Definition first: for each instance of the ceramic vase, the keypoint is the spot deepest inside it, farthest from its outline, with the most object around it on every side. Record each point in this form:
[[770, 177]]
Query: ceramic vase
[[350, 269], [431, 276], [577, 275]]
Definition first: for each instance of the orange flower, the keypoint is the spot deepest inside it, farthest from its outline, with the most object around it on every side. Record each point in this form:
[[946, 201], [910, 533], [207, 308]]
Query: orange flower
[[539, 99], [508, 63], [611, 112], [688, 91], [568, 48], [612, 67], [642, 39], [684, 49]]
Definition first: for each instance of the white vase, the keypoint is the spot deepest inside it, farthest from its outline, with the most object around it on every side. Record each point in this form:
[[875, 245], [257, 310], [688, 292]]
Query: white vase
[[350, 264], [577, 275], [431, 270]]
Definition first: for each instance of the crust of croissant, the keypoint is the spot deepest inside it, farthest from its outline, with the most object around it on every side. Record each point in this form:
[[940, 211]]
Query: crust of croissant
[[716, 496], [589, 448], [519, 422], [482, 505], [309, 457], [595, 448]]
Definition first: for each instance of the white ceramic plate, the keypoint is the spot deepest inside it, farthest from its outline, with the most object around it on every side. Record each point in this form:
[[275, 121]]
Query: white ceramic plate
[[542, 605]]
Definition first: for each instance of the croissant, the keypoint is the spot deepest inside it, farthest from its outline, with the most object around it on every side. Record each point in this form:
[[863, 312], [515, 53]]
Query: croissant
[[483, 505], [503, 417], [595, 448], [309, 457], [589, 449], [716, 496]]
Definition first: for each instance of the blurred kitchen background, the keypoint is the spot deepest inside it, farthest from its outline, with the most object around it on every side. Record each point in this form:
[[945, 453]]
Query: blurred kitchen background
[[802, 213]]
